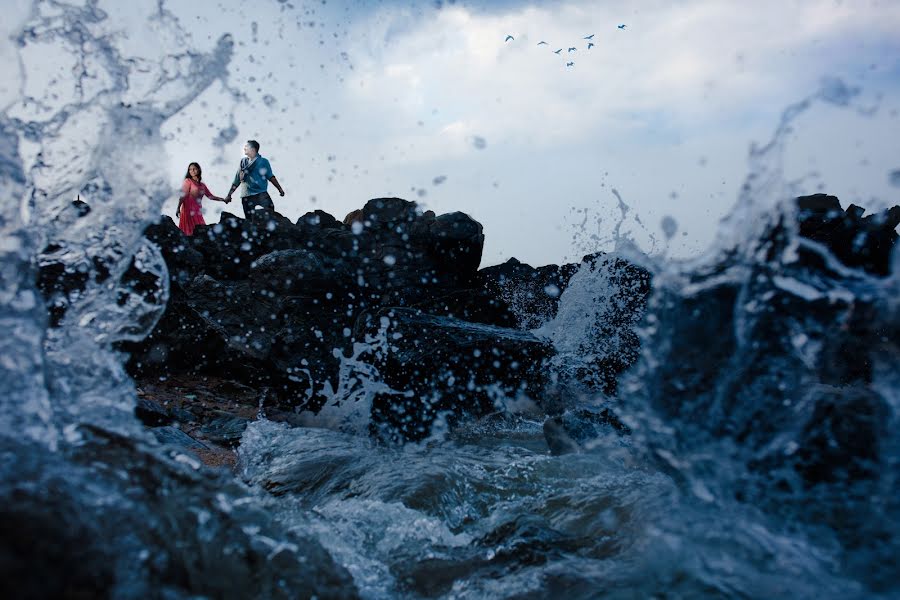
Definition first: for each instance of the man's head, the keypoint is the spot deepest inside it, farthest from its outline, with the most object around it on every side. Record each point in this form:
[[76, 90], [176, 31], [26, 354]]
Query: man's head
[[251, 148]]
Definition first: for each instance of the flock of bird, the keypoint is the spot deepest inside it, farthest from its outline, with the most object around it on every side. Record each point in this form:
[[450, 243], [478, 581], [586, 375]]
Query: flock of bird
[[570, 49]]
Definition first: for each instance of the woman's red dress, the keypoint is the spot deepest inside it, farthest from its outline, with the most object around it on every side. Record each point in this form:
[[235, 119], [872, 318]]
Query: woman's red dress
[[192, 193]]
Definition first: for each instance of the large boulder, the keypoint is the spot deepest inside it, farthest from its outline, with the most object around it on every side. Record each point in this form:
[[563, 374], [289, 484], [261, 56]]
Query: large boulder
[[457, 242], [448, 369], [298, 270], [857, 241], [532, 293], [114, 518]]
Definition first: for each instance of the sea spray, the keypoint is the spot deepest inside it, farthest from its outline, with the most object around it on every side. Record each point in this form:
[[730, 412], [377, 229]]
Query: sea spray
[[348, 407], [93, 505], [97, 137], [744, 393]]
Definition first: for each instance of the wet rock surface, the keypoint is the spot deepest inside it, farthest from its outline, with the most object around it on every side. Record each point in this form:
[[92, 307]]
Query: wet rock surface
[[204, 414], [532, 292], [780, 361], [447, 368], [112, 517], [856, 239]]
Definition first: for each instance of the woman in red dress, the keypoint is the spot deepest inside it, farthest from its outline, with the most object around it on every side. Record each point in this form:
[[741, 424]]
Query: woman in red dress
[[192, 192]]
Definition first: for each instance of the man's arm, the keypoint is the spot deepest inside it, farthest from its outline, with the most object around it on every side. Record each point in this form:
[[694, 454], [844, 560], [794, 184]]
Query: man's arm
[[234, 185], [277, 185]]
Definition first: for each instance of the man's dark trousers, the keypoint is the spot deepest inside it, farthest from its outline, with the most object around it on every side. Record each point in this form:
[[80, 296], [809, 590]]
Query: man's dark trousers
[[257, 201]]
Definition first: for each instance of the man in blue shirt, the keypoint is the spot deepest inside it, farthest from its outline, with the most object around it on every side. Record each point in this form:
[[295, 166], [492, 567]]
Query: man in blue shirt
[[256, 172]]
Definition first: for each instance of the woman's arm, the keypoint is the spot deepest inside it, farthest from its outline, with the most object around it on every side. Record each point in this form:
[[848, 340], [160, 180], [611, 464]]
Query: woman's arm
[[212, 196]]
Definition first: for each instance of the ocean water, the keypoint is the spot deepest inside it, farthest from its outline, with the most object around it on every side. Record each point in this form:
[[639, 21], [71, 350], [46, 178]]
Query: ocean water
[[752, 469]]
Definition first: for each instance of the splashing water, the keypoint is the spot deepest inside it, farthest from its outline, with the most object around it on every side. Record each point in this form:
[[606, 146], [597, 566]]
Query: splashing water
[[737, 395], [96, 137], [348, 407]]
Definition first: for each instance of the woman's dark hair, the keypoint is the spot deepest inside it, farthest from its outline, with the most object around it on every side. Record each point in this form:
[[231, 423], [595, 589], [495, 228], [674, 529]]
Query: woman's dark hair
[[254, 144], [199, 171]]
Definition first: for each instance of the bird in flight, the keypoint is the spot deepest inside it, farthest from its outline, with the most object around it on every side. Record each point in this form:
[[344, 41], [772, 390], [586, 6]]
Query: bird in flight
[[622, 26], [590, 45], [509, 37], [557, 51], [570, 64], [588, 37], [572, 49], [542, 43]]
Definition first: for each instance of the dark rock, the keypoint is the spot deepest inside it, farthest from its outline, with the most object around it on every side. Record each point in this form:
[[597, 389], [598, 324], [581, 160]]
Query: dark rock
[[354, 216], [183, 261], [230, 246], [458, 242], [319, 219], [173, 436], [389, 213], [531, 293], [151, 414], [226, 429], [60, 282], [441, 367], [272, 299], [779, 360], [477, 305], [570, 431], [857, 241], [298, 270], [113, 519], [821, 204], [610, 345]]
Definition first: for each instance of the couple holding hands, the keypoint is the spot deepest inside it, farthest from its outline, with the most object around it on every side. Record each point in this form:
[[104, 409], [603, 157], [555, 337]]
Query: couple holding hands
[[253, 178]]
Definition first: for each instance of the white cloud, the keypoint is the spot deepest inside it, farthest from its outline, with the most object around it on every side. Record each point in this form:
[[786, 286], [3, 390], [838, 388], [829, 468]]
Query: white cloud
[[689, 59], [685, 80]]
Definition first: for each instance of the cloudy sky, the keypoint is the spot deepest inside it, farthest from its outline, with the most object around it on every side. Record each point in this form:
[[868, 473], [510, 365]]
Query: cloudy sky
[[427, 101]]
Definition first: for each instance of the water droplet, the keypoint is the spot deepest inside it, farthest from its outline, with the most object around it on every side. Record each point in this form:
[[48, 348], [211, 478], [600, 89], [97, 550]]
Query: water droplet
[[894, 177], [669, 227]]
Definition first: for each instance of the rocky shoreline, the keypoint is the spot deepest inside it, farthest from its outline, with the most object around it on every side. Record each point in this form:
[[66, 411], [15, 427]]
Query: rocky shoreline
[[279, 318], [282, 318]]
